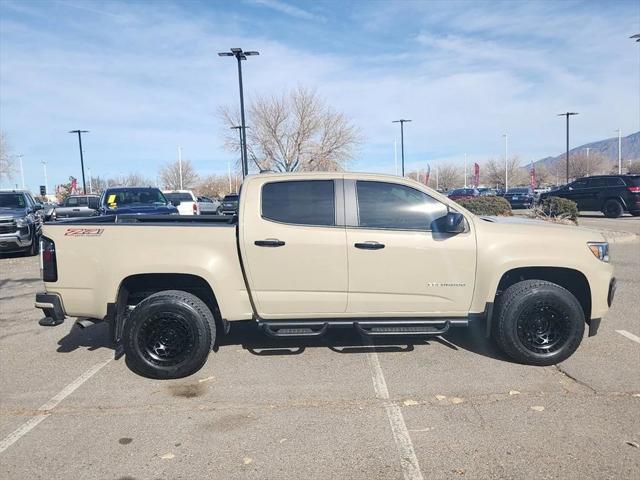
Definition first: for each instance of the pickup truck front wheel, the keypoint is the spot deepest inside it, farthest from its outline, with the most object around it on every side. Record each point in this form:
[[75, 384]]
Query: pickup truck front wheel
[[169, 335], [538, 323]]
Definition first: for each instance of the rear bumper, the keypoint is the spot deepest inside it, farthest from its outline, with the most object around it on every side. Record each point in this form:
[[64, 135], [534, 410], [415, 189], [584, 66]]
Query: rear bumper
[[51, 305]]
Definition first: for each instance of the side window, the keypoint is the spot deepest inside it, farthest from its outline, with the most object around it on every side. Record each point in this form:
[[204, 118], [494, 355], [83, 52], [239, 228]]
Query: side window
[[72, 202], [82, 201], [579, 184], [615, 182], [388, 205], [300, 202], [597, 182]]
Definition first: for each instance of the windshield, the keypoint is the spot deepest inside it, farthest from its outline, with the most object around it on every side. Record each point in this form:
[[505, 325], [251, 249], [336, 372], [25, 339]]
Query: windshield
[[12, 200], [518, 190], [179, 196], [121, 196], [231, 198]]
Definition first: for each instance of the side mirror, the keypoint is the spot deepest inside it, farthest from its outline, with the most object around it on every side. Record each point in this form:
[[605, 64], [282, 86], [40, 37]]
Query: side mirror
[[175, 203], [452, 222], [36, 207]]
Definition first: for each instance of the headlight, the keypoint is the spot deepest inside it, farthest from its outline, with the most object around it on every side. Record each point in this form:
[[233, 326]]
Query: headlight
[[22, 222], [600, 250]]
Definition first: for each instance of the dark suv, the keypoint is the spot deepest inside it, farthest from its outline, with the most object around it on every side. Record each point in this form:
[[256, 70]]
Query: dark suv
[[611, 194], [20, 222]]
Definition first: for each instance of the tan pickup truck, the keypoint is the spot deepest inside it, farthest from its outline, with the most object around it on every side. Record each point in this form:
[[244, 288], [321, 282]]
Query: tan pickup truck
[[311, 252]]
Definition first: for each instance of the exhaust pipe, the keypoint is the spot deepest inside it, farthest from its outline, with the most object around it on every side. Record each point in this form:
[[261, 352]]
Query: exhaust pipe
[[84, 323]]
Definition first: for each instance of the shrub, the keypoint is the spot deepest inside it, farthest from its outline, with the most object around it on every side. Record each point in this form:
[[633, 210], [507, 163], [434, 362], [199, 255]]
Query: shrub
[[487, 206], [557, 209]]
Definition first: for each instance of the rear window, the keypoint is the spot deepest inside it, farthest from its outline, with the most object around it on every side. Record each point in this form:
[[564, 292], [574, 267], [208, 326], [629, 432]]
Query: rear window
[[122, 196], [633, 181], [518, 190], [230, 198], [308, 202], [179, 196]]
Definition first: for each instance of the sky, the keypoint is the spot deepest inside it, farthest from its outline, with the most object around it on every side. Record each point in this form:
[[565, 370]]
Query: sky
[[144, 77]]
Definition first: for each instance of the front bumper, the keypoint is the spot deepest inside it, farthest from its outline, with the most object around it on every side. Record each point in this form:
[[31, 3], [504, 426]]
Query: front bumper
[[10, 242], [51, 305]]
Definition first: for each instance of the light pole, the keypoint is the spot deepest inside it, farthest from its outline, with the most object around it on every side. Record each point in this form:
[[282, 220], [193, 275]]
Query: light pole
[[90, 185], [402, 121], [80, 132], [588, 169], [465, 170], [239, 128], [567, 114], [506, 162], [46, 181], [619, 152], [180, 165], [21, 169], [240, 55]]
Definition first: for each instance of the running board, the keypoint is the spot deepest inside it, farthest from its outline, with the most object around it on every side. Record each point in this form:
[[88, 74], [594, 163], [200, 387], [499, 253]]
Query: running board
[[368, 327]]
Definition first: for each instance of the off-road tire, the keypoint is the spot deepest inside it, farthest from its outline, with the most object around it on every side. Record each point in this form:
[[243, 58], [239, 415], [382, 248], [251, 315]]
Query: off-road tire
[[522, 306], [165, 322], [612, 208]]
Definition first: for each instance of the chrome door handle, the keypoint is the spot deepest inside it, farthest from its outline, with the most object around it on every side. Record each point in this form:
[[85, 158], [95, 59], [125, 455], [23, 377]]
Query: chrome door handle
[[269, 242], [369, 245]]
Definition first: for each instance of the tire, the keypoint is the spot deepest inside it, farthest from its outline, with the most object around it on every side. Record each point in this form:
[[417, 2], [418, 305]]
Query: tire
[[538, 323], [34, 249], [635, 213], [169, 335], [612, 208]]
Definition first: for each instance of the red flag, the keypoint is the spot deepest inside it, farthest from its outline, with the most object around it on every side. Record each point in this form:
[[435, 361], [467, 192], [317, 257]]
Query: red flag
[[534, 182], [476, 174], [74, 186]]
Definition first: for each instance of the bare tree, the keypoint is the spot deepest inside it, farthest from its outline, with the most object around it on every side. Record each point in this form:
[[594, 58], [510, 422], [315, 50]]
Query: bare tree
[[170, 175], [449, 176], [494, 171], [294, 131], [634, 167], [8, 167], [217, 186]]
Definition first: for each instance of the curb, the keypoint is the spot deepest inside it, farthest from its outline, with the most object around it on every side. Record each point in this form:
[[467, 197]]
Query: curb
[[615, 237]]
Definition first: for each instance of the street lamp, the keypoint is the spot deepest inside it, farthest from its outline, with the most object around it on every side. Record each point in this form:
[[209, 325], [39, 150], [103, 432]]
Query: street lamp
[[619, 151], [506, 162], [80, 132], [402, 121], [240, 55], [567, 114], [240, 129]]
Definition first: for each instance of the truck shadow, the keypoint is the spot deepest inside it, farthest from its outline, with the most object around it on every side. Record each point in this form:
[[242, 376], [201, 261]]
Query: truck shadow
[[246, 334]]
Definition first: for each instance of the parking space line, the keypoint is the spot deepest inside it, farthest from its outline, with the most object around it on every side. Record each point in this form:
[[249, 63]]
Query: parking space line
[[408, 459], [45, 410], [629, 335]]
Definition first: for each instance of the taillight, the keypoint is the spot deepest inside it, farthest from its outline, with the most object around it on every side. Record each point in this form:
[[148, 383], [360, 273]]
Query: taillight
[[195, 208], [48, 264], [634, 189]]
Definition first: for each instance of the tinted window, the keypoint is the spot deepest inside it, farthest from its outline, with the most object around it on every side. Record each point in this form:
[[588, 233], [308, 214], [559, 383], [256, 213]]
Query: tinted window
[[597, 182], [579, 184], [12, 200], [230, 198], [142, 196], [618, 182], [387, 205], [179, 196], [304, 202]]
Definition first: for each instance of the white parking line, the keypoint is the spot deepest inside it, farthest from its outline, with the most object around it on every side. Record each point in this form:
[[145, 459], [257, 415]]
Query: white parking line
[[629, 335], [408, 459], [49, 406]]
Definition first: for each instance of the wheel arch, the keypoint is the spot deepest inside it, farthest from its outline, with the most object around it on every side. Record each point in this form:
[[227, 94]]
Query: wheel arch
[[572, 280], [135, 288]]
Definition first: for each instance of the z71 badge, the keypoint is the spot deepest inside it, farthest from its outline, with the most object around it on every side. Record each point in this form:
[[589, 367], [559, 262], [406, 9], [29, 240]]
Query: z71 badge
[[83, 232]]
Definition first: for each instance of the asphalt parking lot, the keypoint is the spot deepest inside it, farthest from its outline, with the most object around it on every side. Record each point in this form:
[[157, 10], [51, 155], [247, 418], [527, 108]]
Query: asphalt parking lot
[[449, 407]]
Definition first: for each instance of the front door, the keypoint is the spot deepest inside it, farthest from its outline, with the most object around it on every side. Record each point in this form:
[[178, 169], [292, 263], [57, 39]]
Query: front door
[[294, 247], [397, 266]]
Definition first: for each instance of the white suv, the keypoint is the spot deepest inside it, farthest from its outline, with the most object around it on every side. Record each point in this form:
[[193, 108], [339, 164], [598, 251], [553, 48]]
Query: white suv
[[184, 200]]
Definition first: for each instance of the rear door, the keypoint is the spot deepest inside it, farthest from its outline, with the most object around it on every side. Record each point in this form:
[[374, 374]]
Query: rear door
[[294, 246], [397, 266]]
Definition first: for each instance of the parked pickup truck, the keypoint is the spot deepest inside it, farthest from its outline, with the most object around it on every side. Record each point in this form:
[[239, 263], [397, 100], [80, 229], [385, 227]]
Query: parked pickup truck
[[77, 206], [311, 252]]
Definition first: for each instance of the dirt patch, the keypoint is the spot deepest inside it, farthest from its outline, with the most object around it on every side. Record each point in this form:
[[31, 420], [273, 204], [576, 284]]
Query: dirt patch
[[228, 423], [125, 440], [189, 390]]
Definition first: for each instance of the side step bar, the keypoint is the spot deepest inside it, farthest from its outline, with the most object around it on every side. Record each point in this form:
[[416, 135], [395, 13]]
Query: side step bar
[[368, 327]]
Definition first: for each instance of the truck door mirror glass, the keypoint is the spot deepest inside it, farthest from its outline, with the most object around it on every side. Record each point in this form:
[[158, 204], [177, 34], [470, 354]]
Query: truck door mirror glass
[[452, 222]]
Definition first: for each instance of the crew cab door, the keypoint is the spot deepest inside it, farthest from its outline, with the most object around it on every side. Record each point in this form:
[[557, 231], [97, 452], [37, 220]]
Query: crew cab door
[[294, 246], [397, 266]]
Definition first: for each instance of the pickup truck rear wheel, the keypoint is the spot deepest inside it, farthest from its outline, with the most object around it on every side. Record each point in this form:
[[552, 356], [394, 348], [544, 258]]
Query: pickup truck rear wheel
[[169, 335], [538, 323]]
